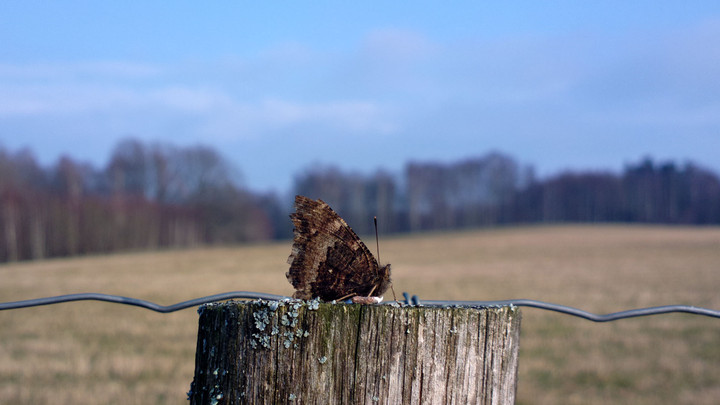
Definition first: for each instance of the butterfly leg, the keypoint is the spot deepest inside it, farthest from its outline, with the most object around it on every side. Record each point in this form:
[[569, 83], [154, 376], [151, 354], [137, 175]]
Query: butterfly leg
[[344, 297], [371, 291]]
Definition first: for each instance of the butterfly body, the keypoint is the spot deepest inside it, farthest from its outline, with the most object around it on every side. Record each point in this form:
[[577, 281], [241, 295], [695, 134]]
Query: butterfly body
[[328, 260]]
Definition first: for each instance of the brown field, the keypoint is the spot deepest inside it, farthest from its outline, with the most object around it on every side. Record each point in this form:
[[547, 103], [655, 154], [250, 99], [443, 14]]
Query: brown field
[[101, 353]]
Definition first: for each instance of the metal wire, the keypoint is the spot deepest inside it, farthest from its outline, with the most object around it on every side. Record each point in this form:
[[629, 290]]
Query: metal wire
[[414, 300], [117, 299]]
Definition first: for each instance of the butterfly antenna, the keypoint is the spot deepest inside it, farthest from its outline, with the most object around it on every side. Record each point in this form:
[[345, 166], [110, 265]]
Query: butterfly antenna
[[377, 245], [377, 240]]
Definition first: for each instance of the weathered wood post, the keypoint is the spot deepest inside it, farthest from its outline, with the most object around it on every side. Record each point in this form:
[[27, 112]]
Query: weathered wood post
[[318, 353]]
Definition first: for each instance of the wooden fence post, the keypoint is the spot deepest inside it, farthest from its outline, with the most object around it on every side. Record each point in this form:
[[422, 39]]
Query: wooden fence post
[[308, 352]]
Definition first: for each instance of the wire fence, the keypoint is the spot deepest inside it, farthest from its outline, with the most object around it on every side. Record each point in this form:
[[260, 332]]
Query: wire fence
[[408, 301]]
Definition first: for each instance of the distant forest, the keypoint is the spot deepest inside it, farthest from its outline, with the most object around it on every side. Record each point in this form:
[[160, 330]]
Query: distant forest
[[151, 196]]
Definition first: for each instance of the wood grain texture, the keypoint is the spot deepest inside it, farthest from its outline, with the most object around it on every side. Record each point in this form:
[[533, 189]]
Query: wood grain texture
[[310, 352]]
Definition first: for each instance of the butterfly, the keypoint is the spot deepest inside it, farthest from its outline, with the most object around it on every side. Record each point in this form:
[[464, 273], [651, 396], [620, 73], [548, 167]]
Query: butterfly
[[328, 260]]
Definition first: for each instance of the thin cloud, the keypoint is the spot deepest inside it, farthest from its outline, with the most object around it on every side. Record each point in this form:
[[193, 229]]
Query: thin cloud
[[55, 71], [548, 99], [253, 120], [397, 45]]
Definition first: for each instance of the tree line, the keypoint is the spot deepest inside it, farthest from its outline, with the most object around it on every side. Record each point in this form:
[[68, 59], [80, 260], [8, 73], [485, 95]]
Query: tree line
[[153, 196]]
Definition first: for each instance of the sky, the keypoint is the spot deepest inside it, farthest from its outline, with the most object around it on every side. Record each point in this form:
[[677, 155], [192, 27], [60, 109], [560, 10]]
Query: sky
[[277, 87]]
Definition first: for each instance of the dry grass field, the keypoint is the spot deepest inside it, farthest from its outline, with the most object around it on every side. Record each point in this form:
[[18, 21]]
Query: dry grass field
[[101, 353]]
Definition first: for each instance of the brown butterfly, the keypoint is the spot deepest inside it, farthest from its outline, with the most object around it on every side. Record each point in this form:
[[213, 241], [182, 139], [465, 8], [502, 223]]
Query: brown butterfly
[[328, 260]]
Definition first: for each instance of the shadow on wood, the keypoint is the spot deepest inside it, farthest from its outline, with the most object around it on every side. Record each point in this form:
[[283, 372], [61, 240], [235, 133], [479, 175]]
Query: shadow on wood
[[310, 352]]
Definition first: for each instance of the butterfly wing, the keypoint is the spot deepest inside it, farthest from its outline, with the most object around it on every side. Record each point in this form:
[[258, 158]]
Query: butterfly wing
[[328, 260]]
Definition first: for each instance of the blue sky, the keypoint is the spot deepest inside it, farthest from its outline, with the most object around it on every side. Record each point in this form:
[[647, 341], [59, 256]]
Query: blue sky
[[279, 86]]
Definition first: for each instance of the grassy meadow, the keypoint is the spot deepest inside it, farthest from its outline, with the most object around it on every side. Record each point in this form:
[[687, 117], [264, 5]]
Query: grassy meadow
[[101, 353]]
